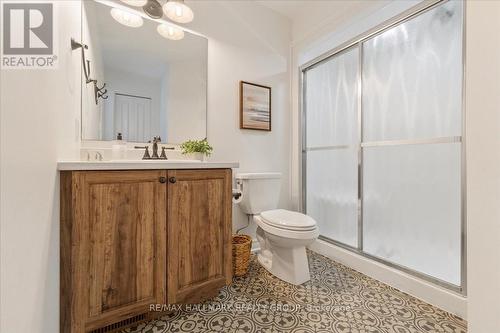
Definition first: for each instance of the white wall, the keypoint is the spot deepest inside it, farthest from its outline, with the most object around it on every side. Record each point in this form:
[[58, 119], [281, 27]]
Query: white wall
[[251, 43], [483, 165], [323, 17], [39, 119]]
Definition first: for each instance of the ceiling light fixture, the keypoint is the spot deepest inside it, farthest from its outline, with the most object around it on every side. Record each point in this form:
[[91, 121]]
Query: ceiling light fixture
[[153, 9], [135, 3], [177, 11], [170, 32], [126, 18]]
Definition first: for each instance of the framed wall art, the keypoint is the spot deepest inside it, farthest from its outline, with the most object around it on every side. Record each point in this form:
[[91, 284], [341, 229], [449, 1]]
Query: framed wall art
[[255, 106]]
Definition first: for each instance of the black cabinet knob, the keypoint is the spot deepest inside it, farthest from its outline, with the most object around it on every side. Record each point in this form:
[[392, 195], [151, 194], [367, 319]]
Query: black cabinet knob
[[162, 180], [172, 180]]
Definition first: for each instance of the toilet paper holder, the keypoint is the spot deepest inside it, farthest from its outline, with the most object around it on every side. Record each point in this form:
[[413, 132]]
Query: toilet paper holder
[[236, 194]]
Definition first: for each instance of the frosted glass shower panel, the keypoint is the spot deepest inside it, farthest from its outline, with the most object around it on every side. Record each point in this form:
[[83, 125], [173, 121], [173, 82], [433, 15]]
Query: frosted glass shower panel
[[332, 101], [332, 195], [412, 205], [412, 78]]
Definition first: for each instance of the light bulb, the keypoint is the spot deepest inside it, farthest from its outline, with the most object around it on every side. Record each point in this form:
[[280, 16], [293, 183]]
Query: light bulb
[[177, 11], [170, 32], [126, 18], [135, 3]]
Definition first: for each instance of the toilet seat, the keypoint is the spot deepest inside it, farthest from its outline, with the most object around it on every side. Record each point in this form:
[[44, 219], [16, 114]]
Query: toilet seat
[[288, 220], [286, 233]]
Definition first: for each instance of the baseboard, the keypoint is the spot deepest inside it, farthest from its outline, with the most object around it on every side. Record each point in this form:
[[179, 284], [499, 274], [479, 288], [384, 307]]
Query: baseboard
[[421, 289]]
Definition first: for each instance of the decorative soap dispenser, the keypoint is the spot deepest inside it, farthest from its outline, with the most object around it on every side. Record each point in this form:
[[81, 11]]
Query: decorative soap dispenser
[[119, 148]]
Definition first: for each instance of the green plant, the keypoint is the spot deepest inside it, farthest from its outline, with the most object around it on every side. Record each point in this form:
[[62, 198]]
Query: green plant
[[196, 146]]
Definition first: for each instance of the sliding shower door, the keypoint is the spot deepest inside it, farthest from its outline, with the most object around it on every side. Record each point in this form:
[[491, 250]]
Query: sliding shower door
[[331, 146], [412, 127], [384, 147]]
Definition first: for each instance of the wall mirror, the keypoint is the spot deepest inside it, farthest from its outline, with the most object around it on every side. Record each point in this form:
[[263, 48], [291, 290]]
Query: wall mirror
[[154, 86]]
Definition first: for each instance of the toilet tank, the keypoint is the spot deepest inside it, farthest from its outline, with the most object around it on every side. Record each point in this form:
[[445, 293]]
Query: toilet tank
[[260, 191]]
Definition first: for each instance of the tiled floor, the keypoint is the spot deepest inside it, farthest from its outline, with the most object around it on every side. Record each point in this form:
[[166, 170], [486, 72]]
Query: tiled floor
[[337, 299]]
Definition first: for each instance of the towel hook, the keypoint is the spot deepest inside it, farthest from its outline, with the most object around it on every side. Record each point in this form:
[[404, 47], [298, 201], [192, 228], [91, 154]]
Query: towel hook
[[98, 92]]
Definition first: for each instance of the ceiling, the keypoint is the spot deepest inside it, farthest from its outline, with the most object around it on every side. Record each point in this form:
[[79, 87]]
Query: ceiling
[[291, 9], [309, 15]]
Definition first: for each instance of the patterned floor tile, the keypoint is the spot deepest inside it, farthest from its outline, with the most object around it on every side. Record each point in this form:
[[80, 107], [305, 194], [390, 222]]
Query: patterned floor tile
[[336, 299]]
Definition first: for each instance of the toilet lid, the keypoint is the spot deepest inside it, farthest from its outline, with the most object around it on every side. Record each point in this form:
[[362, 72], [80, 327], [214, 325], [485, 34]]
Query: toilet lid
[[288, 220]]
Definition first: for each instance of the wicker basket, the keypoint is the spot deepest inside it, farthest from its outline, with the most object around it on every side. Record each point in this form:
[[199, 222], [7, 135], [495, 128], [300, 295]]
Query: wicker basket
[[242, 245]]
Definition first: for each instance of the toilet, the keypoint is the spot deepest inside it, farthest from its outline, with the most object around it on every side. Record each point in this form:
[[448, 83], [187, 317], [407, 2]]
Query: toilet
[[282, 234]]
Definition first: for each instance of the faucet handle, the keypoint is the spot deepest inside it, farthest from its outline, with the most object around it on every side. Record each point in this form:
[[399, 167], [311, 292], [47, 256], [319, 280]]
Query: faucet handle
[[146, 155], [98, 156], [163, 155]]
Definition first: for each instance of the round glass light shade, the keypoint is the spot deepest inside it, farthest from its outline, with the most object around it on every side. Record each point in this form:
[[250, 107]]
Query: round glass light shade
[[177, 11], [135, 3], [126, 18], [170, 32]]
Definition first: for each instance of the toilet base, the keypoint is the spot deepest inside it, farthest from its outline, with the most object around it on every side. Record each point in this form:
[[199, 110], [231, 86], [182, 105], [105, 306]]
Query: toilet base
[[288, 264]]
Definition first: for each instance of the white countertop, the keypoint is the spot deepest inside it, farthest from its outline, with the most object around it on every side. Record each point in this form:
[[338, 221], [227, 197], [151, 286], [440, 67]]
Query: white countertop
[[143, 165]]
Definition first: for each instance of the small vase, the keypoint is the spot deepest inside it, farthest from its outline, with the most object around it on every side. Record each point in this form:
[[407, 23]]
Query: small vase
[[197, 156]]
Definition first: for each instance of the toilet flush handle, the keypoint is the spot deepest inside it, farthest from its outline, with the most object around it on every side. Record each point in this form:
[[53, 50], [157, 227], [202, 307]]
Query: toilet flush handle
[[239, 185]]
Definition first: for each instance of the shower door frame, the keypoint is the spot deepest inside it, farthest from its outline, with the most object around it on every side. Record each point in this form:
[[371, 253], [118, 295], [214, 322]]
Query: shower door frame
[[358, 42]]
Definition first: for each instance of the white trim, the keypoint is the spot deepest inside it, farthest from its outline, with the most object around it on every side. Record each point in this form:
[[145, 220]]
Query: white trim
[[330, 147], [450, 139], [421, 289], [258, 175]]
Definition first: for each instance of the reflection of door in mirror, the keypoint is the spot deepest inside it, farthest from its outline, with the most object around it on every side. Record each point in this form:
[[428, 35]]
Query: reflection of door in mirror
[[132, 117]]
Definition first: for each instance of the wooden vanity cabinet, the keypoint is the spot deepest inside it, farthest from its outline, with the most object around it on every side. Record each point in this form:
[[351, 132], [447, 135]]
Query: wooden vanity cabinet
[[130, 239]]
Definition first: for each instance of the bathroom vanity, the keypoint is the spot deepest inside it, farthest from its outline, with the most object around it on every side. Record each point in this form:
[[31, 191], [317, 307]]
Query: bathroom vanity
[[136, 234]]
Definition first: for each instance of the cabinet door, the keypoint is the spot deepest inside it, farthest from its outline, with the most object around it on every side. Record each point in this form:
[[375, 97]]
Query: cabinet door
[[199, 234], [123, 219]]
